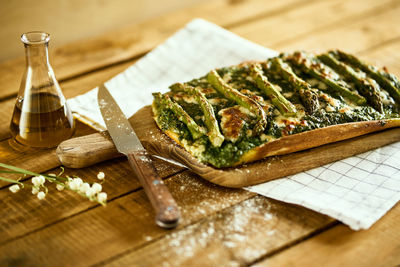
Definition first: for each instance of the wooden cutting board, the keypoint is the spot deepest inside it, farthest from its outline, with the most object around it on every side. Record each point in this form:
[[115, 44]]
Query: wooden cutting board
[[90, 149]]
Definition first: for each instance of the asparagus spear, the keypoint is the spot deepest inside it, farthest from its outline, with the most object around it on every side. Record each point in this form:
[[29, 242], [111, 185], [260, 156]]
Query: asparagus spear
[[380, 76], [284, 105], [214, 134], [324, 74], [165, 100], [366, 86], [308, 95], [222, 87], [393, 79]]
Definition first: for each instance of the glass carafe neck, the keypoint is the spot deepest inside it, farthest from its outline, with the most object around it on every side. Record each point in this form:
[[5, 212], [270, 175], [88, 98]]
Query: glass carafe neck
[[36, 48]]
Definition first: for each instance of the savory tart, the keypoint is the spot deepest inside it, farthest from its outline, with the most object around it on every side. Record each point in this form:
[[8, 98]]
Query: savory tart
[[243, 113]]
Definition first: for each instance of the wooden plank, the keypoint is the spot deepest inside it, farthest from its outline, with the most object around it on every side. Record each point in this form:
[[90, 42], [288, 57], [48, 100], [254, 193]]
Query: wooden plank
[[73, 22], [6, 112], [84, 56], [385, 55], [23, 213], [354, 36], [216, 252], [36, 160], [234, 237], [126, 223], [25, 218], [340, 246], [40, 160], [70, 88], [117, 227], [276, 32], [290, 21]]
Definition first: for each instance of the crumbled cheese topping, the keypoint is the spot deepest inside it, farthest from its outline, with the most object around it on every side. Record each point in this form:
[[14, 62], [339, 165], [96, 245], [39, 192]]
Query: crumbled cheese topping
[[216, 101], [246, 111], [330, 100], [227, 77], [185, 97], [232, 122], [329, 108], [265, 137], [288, 94]]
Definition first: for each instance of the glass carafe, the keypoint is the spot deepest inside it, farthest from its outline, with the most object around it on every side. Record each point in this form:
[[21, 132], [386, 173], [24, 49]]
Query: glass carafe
[[41, 116]]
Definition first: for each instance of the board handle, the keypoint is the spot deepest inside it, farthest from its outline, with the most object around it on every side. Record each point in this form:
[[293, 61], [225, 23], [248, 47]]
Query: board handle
[[87, 150]]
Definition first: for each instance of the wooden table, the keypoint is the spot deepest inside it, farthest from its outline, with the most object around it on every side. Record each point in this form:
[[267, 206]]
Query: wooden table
[[220, 226]]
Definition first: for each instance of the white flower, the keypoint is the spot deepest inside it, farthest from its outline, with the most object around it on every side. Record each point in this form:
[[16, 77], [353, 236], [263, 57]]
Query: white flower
[[35, 190], [60, 187], [101, 175], [96, 187], [73, 185], [14, 188], [41, 195], [84, 187], [78, 181], [38, 180], [102, 197], [41, 179], [90, 192], [35, 181]]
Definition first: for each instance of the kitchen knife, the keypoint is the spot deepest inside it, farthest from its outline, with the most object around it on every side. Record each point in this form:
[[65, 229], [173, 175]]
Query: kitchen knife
[[127, 142]]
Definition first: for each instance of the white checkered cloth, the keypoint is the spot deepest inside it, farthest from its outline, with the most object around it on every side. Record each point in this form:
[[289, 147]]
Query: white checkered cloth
[[357, 190]]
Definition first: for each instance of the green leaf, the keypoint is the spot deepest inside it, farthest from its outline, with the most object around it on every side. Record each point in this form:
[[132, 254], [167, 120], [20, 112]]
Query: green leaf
[[3, 171], [26, 172], [10, 180], [19, 170]]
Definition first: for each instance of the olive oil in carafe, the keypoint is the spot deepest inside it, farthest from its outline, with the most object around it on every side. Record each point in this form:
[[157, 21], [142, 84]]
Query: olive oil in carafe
[[43, 121], [41, 115]]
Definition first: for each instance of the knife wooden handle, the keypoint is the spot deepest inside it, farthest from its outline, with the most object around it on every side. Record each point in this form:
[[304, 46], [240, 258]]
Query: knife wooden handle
[[167, 212]]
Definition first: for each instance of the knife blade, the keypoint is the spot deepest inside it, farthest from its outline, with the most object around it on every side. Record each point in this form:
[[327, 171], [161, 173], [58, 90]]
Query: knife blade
[[127, 142]]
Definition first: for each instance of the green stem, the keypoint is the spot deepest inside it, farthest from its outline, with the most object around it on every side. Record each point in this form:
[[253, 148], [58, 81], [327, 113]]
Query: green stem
[[19, 170], [23, 171], [11, 181]]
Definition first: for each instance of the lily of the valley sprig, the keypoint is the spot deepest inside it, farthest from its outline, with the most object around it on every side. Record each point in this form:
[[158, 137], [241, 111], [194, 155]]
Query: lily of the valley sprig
[[37, 185]]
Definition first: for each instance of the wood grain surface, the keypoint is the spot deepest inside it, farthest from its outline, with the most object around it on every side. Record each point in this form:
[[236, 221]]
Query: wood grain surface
[[378, 246], [220, 226], [79, 57]]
